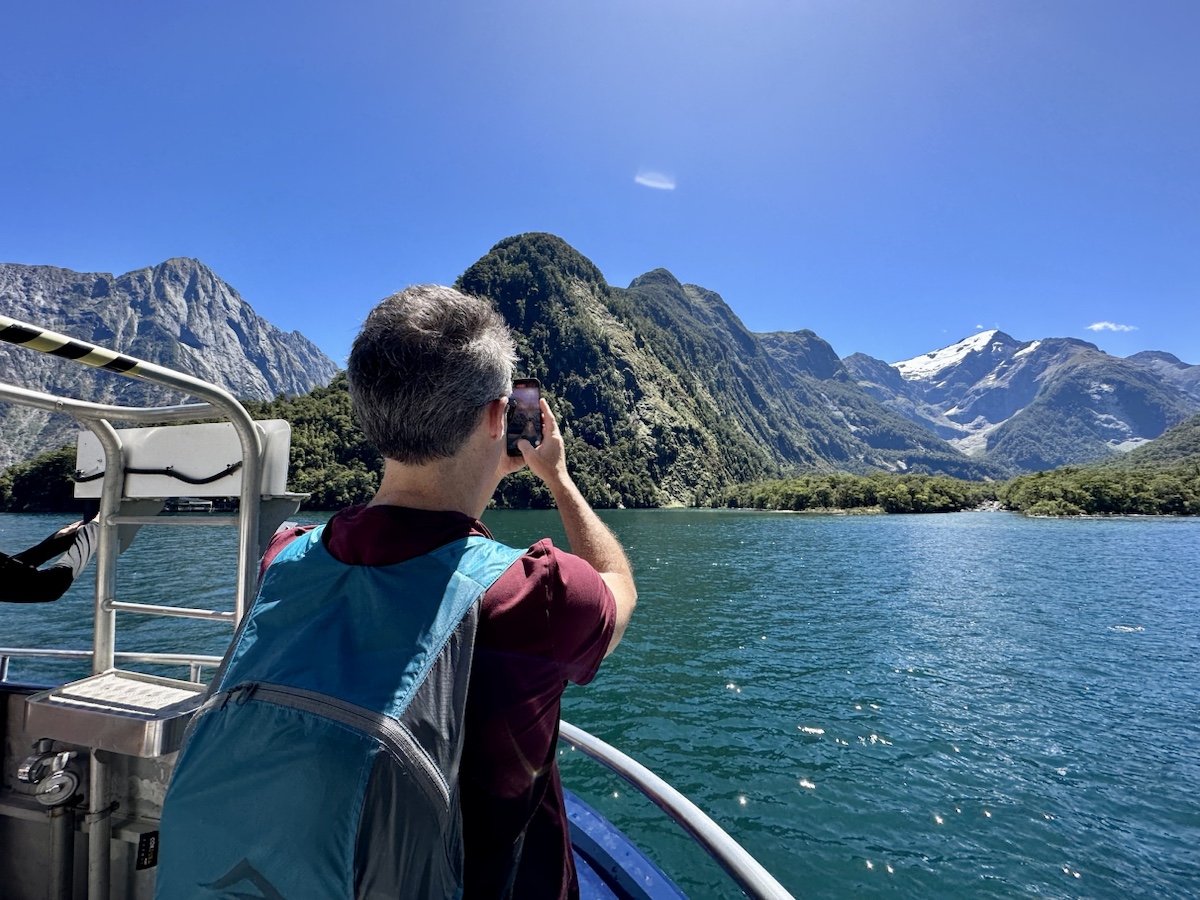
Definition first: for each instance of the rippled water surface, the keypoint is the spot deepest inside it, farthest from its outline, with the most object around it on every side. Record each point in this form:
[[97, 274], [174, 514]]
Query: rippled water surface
[[968, 705]]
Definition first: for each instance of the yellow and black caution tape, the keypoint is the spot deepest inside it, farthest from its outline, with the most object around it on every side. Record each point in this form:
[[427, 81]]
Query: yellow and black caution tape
[[23, 335]]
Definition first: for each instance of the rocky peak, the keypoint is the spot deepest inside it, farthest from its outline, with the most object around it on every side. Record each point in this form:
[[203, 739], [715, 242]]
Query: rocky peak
[[1170, 368], [803, 352], [178, 313]]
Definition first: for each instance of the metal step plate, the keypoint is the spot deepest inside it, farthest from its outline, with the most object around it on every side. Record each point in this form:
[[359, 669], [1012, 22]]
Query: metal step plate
[[125, 712]]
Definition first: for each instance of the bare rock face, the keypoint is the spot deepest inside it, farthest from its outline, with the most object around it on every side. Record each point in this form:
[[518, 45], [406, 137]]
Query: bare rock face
[[178, 314]]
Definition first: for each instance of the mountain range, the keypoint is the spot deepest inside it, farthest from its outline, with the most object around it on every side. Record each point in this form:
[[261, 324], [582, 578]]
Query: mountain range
[[668, 397], [178, 314], [664, 395], [1033, 405]]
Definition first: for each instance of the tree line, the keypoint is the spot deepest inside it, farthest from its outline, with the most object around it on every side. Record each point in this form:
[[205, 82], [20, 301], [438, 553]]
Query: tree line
[[1096, 491], [1067, 491], [884, 492]]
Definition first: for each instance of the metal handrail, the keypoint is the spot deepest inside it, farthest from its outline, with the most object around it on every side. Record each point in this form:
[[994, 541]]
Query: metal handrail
[[96, 416], [206, 519], [178, 612], [196, 661], [731, 856], [86, 409]]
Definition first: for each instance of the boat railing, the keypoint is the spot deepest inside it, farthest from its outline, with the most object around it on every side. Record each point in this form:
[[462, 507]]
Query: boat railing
[[97, 416], [114, 490], [754, 880], [196, 662]]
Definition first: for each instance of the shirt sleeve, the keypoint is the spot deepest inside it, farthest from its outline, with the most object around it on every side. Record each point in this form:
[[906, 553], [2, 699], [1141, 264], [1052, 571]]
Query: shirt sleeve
[[554, 607], [582, 614], [279, 540], [22, 583], [42, 553]]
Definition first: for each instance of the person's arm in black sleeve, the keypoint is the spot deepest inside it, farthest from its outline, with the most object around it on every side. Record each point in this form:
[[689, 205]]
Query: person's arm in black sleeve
[[21, 581], [53, 546]]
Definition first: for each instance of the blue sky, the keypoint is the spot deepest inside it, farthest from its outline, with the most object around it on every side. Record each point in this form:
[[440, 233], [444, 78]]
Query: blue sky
[[892, 174]]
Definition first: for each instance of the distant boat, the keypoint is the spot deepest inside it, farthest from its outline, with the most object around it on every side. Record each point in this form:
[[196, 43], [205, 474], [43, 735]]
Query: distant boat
[[189, 504]]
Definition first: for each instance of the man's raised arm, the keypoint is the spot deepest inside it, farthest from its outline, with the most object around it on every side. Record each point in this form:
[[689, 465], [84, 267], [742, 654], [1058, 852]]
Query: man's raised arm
[[589, 538]]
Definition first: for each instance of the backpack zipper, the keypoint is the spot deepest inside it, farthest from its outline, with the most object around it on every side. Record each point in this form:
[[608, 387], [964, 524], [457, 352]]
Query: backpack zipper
[[396, 739]]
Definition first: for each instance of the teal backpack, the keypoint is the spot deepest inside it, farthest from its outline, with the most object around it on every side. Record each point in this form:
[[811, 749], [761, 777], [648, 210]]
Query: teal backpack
[[324, 763]]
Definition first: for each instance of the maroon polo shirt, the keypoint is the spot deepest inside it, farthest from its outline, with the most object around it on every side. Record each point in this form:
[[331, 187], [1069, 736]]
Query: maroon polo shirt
[[546, 621]]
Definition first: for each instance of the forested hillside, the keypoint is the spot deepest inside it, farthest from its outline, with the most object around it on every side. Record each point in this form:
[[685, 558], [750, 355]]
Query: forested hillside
[[561, 311], [1177, 446], [330, 458], [1100, 490], [667, 398]]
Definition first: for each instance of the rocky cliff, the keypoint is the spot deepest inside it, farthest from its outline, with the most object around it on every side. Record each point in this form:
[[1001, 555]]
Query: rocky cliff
[[178, 314]]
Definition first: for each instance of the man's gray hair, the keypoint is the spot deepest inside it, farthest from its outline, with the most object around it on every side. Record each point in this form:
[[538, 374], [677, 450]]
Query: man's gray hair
[[424, 365]]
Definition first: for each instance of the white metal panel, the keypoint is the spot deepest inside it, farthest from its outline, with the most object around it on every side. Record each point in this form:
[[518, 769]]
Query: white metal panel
[[197, 451]]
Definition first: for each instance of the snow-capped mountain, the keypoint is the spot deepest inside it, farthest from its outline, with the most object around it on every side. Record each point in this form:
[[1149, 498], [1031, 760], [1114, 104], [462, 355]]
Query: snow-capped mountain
[[1030, 405]]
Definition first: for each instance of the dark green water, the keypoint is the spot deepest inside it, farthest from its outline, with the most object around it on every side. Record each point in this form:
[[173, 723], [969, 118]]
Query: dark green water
[[969, 705]]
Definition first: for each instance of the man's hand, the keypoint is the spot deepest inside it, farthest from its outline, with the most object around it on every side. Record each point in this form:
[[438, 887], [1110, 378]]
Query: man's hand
[[548, 460], [67, 530]]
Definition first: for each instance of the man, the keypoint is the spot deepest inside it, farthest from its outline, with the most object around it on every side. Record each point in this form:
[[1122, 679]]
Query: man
[[430, 374]]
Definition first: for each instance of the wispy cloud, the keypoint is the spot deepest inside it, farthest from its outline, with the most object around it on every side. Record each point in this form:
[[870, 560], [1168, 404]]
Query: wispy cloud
[[657, 180], [1110, 326]]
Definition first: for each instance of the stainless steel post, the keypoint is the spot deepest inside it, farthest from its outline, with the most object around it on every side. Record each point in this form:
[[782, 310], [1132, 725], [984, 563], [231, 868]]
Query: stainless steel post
[[103, 636], [99, 831], [62, 853], [103, 648]]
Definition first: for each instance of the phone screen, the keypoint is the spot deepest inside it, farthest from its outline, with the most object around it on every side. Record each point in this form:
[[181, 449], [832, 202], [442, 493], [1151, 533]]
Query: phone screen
[[524, 414]]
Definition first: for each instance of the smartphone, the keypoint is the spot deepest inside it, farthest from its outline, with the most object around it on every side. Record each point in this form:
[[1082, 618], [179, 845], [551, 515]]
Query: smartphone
[[524, 414]]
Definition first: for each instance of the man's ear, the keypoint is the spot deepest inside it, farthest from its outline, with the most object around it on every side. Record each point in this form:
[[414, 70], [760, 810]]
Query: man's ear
[[497, 416]]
